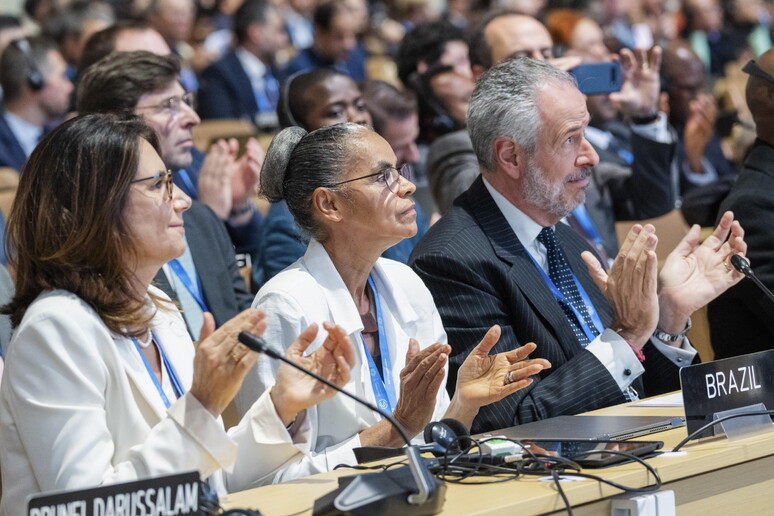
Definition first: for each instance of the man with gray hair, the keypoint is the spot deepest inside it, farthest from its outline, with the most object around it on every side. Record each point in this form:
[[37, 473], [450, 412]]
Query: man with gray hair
[[500, 256]]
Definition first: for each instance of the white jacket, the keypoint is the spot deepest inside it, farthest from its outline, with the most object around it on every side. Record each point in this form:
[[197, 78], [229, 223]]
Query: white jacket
[[79, 409], [311, 290]]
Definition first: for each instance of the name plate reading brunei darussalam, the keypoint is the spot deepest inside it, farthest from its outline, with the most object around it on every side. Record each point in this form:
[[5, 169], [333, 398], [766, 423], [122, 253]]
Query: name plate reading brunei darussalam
[[727, 384], [174, 495]]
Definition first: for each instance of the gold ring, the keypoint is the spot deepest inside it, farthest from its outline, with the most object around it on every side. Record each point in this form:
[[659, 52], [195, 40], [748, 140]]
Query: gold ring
[[236, 357], [726, 265]]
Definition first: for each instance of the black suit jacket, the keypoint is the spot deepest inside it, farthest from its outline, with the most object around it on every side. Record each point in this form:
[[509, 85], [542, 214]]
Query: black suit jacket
[[742, 319], [647, 191], [11, 153], [225, 91], [224, 289], [480, 274]]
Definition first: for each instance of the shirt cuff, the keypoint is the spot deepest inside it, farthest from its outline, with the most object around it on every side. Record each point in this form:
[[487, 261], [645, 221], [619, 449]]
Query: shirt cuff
[[202, 427], [709, 175], [682, 356], [657, 131], [617, 357]]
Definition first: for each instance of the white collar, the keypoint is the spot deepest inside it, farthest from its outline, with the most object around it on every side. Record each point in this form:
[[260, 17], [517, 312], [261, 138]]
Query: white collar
[[254, 67], [340, 303]]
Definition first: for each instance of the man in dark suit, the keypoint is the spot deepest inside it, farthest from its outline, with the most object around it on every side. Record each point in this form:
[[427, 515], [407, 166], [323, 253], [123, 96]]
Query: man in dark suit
[[148, 85], [36, 94], [206, 277], [741, 319], [634, 187], [242, 84], [500, 256]]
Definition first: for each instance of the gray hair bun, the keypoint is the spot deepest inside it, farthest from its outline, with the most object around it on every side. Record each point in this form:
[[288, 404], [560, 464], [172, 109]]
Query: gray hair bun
[[276, 162]]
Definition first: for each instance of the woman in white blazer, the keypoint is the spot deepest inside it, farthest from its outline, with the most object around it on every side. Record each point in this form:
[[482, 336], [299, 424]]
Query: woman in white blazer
[[342, 186], [102, 383]]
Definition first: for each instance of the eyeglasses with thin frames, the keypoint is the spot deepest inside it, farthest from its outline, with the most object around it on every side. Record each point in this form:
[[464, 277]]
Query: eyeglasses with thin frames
[[390, 176], [166, 179], [753, 69], [172, 104]]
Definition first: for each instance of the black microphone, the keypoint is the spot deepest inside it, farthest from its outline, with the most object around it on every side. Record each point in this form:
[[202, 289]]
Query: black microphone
[[743, 266], [355, 496]]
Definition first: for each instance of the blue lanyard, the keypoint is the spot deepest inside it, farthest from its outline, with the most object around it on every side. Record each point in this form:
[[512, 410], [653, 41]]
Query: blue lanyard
[[583, 218], [177, 387], [192, 192], [590, 334], [194, 289], [266, 98], [384, 389]]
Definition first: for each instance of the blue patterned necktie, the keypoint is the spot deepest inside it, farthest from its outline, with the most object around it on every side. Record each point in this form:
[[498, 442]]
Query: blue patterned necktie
[[560, 273]]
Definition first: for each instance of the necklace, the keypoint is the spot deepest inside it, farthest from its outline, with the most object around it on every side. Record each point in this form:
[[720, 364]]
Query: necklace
[[147, 341]]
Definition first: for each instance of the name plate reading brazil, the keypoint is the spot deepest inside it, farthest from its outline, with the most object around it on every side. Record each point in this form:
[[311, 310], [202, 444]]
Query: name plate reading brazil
[[726, 384]]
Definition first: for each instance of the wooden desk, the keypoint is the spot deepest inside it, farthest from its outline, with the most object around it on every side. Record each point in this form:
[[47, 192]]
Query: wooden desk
[[713, 477]]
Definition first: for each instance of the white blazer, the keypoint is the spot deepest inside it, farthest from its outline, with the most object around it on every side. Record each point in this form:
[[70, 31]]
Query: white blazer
[[311, 290], [79, 409]]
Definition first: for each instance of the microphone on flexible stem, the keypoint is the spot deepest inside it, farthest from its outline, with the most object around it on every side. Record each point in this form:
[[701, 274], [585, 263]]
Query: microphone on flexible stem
[[354, 498], [743, 266]]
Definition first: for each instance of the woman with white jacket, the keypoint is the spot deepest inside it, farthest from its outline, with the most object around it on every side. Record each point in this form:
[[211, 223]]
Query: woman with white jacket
[[102, 383]]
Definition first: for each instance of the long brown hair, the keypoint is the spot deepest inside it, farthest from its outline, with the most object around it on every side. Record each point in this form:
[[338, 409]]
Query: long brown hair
[[66, 230]]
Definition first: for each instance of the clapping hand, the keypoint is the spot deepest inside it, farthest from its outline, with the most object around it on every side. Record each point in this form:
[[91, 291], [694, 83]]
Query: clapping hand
[[694, 274], [631, 284], [221, 362], [483, 378], [294, 391]]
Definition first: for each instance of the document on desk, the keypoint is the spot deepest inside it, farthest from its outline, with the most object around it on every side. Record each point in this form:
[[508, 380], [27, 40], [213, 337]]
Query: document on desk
[[674, 399]]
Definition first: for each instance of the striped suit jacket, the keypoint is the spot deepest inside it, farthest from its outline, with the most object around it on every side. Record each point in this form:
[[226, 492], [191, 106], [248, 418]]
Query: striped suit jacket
[[480, 274]]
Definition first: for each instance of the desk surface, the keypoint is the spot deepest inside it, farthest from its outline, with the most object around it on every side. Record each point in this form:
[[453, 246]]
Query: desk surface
[[711, 477]]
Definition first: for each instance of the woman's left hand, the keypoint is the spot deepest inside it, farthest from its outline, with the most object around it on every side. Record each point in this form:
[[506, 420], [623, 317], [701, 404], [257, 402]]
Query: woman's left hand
[[483, 378], [295, 391]]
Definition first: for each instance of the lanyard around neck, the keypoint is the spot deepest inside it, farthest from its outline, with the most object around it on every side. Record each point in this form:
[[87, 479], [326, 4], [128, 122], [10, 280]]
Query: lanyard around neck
[[177, 387], [193, 288], [383, 387]]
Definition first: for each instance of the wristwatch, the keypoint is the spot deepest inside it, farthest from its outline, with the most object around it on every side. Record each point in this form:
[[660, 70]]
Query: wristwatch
[[668, 337]]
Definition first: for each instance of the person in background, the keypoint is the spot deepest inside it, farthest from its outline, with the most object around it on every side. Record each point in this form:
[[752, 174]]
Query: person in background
[[36, 95], [699, 160], [335, 43], [431, 44], [174, 19], [243, 83], [740, 320], [343, 187], [73, 25], [126, 395]]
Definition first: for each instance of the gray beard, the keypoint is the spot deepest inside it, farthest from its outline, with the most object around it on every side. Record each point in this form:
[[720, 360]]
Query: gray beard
[[539, 192]]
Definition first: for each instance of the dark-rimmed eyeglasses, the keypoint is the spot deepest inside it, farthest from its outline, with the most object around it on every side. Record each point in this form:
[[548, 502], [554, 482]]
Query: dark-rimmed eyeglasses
[[166, 179], [753, 69], [389, 176], [172, 104]]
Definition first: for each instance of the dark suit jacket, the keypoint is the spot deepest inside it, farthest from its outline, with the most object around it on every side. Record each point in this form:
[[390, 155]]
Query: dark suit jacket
[[224, 289], [225, 91], [742, 319], [247, 238], [11, 153], [647, 192], [480, 274]]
